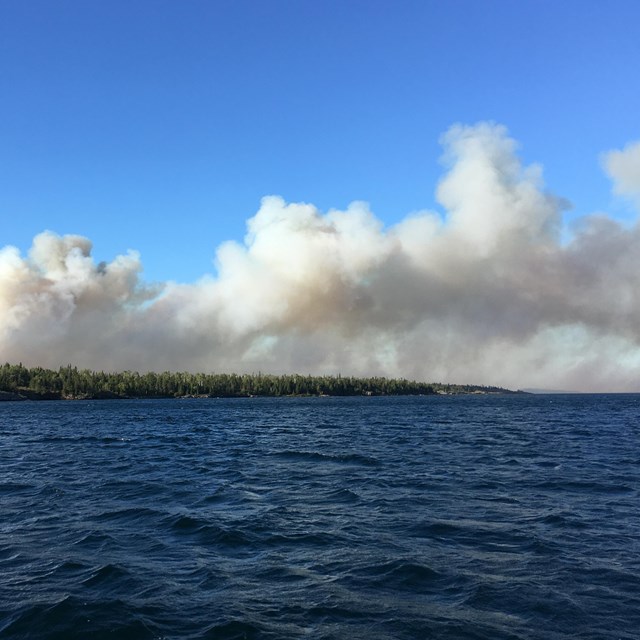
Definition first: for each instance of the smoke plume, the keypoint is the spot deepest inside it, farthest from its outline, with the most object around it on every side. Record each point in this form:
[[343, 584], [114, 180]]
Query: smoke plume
[[487, 292]]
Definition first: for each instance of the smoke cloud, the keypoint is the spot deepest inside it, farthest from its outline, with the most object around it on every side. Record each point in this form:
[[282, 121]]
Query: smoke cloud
[[486, 293], [623, 168]]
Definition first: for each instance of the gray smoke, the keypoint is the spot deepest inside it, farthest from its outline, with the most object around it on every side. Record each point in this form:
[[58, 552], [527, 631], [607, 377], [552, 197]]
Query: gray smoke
[[489, 293]]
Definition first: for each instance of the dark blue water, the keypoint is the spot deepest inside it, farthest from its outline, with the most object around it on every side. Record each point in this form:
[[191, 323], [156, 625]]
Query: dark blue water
[[434, 517]]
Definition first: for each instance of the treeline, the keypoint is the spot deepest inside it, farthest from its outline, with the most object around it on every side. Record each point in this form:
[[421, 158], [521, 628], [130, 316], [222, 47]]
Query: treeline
[[70, 382]]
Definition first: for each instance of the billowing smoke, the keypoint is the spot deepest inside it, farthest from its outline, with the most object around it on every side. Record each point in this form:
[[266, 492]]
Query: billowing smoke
[[488, 293]]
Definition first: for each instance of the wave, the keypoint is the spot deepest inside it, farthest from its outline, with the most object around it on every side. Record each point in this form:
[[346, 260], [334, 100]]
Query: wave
[[316, 456], [74, 618]]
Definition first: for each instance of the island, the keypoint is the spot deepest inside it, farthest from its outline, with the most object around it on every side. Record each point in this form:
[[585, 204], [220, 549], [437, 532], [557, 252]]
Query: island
[[18, 382]]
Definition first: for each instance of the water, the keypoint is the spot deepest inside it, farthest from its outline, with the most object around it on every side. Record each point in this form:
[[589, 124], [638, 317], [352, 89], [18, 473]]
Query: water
[[433, 517]]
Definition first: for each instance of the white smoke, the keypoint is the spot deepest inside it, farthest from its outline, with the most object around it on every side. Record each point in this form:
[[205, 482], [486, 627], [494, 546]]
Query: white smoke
[[485, 294], [624, 169]]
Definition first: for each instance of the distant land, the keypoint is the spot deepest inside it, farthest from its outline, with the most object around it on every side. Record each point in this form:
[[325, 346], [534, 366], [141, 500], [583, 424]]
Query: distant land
[[548, 391], [18, 382]]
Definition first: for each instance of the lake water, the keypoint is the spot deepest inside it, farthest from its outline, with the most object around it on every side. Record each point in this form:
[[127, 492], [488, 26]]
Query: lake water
[[493, 517]]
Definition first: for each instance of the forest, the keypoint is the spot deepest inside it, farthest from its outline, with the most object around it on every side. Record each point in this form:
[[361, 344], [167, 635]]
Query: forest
[[69, 383]]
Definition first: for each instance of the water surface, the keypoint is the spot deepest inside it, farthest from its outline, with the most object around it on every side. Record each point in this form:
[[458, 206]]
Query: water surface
[[493, 517]]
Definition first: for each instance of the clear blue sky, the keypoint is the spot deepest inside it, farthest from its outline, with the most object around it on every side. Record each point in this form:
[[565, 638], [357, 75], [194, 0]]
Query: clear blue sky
[[158, 125]]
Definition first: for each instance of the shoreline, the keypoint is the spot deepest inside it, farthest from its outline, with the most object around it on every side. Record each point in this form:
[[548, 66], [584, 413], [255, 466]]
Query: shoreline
[[9, 396]]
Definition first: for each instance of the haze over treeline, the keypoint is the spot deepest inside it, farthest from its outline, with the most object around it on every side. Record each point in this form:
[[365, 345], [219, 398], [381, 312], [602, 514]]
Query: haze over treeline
[[492, 290]]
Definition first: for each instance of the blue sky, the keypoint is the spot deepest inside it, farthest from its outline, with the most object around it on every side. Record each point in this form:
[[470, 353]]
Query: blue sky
[[158, 126]]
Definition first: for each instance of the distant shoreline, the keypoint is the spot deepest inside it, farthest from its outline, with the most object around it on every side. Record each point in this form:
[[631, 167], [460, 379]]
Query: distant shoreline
[[34, 397], [19, 383]]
